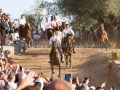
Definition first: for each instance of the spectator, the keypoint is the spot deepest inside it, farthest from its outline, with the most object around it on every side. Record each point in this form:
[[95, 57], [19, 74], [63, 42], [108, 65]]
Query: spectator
[[36, 34], [11, 79]]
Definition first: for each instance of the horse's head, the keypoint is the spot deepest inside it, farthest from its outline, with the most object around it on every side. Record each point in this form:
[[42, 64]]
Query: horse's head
[[27, 24], [54, 44], [69, 41]]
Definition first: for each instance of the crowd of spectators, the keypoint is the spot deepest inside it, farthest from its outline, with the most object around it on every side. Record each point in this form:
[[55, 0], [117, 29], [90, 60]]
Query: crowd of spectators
[[6, 28]]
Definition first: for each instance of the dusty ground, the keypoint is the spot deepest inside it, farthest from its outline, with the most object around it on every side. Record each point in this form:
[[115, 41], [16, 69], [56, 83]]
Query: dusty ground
[[88, 62]]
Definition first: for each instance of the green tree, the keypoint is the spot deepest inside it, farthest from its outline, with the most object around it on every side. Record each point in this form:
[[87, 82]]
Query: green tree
[[102, 10]]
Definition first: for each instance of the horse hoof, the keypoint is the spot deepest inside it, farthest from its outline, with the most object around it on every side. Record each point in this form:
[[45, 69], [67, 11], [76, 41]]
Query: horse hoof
[[71, 67]]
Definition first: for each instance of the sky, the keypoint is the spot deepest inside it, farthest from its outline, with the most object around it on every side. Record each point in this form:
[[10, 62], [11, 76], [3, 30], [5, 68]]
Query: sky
[[16, 7]]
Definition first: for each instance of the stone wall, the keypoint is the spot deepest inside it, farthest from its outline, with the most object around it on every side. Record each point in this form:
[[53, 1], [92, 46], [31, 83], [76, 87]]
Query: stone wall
[[8, 51]]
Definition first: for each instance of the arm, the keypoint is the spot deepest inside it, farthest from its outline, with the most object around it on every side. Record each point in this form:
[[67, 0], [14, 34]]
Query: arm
[[28, 81]]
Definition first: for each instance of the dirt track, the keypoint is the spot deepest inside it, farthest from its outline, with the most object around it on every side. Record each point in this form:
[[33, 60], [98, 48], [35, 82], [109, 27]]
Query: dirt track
[[88, 62]]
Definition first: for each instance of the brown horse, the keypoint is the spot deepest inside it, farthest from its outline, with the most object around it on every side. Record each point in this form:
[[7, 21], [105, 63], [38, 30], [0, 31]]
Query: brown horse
[[26, 33], [68, 50], [56, 59], [102, 36]]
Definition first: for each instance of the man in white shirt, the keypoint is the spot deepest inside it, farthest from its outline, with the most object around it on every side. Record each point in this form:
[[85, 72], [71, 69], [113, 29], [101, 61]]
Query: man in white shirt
[[22, 24], [58, 42], [48, 28], [11, 79], [68, 32]]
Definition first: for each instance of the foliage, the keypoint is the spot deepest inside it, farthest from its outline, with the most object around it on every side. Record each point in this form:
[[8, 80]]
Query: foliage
[[34, 16], [92, 9]]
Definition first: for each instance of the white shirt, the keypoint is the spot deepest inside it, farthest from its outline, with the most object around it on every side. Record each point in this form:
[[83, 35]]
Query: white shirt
[[54, 23], [77, 34], [22, 21], [55, 38], [47, 25], [13, 85], [67, 31]]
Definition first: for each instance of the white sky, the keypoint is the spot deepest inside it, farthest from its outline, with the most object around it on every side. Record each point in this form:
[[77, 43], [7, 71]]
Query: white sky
[[16, 7]]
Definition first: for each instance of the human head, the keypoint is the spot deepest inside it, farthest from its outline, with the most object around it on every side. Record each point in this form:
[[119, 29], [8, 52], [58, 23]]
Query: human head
[[0, 12], [11, 77], [7, 87], [67, 26], [58, 85], [46, 19], [55, 17], [83, 28], [53, 33], [22, 16], [3, 17]]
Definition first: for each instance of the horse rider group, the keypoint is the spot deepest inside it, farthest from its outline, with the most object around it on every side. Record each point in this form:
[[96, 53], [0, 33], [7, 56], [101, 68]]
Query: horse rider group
[[58, 34]]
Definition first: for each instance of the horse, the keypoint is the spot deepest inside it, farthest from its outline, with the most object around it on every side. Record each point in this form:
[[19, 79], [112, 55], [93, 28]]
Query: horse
[[102, 36], [68, 50], [56, 60], [26, 33]]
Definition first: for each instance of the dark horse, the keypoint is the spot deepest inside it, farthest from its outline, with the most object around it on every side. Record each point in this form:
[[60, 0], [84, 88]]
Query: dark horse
[[68, 51], [26, 33], [56, 60]]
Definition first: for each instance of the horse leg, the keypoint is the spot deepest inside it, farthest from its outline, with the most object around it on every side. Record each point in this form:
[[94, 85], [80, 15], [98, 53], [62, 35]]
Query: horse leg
[[67, 61], [52, 70], [59, 75], [105, 44], [70, 61]]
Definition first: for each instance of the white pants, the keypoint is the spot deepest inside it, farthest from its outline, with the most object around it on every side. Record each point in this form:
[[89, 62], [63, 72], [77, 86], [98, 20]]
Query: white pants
[[36, 36]]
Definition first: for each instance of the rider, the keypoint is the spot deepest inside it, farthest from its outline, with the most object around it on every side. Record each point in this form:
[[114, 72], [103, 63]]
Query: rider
[[58, 42], [48, 28], [22, 24], [68, 31]]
